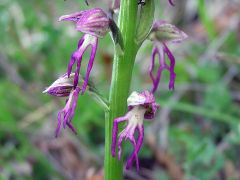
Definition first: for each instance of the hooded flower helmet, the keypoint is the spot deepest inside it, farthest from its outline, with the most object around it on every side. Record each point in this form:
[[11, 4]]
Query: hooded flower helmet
[[145, 99]]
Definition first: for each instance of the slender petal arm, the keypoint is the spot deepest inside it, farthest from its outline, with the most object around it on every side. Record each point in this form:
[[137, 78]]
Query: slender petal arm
[[115, 131], [135, 152], [162, 66], [152, 65], [171, 67], [74, 104], [58, 125], [133, 156], [71, 127], [90, 64], [76, 55], [77, 72]]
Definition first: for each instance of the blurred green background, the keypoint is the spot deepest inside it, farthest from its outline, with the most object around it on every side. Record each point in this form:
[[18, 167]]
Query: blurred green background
[[196, 134]]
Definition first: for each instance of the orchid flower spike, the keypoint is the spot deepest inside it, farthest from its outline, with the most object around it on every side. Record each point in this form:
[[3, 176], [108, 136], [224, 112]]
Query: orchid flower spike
[[162, 33], [63, 87], [95, 24], [140, 106]]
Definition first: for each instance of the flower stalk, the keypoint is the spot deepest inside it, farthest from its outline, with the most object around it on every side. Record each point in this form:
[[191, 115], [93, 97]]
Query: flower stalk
[[120, 84]]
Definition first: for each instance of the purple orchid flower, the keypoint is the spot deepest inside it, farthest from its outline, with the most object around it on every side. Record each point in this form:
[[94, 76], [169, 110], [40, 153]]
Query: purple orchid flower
[[162, 33], [95, 24], [63, 87], [140, 106]]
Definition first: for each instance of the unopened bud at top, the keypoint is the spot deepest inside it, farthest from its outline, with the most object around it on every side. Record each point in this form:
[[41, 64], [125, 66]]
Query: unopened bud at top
[[166, 32], [93, 21]]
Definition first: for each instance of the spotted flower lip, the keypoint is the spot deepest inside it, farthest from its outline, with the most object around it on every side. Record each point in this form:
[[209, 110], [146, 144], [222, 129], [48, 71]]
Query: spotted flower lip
[[140, 106], [93, 21]]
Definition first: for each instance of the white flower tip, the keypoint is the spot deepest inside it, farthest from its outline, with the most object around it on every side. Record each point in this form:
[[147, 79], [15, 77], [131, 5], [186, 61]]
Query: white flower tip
[[61, 18], [45, 91], [183, 36]]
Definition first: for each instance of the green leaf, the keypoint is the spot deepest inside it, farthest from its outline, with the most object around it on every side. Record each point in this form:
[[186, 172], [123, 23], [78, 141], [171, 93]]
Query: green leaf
[[145, 21]]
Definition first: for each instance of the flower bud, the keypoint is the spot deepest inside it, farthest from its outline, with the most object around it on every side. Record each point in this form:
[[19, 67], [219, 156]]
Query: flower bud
[[93, 21], [166, 32]]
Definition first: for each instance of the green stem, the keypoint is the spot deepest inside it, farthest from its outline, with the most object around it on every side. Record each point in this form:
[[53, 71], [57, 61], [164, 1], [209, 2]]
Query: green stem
[[121, 79]]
